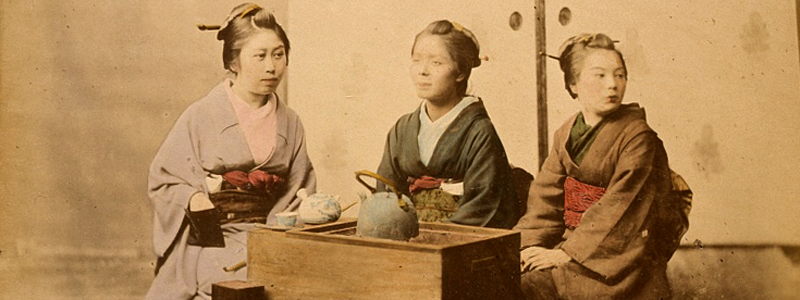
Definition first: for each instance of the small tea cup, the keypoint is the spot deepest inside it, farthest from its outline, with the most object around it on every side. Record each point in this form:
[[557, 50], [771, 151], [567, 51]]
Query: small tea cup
[[287, 218]]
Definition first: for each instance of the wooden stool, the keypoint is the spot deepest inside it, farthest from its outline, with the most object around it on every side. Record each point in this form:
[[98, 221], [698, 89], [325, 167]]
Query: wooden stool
[[237, 290]]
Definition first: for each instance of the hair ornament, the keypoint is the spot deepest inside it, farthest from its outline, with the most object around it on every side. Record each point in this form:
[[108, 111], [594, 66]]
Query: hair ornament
[[584, 38], [249, 9], [466, 32], [457, 26], [550, 56], [245, 11], [460, 28], [204, 27]]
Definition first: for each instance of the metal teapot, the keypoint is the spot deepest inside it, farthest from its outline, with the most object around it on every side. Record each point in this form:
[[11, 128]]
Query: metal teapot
[[386, 215]]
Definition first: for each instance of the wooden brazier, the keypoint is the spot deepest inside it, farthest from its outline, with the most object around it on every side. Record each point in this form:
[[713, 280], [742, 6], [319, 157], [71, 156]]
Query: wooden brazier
[[445, 261]]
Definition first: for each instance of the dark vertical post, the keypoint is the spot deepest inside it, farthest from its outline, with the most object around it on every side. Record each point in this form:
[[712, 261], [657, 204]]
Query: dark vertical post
[[797, 9], [541, 81]]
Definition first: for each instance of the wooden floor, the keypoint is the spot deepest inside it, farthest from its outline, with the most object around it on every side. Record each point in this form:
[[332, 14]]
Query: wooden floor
[[741, 272]]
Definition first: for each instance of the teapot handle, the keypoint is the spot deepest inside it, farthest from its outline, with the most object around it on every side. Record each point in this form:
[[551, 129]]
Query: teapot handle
[[402, 204]]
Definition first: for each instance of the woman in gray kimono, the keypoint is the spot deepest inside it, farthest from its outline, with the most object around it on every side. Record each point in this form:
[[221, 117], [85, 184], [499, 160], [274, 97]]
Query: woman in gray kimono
[[446, 154], [602, 218], [234, 158]]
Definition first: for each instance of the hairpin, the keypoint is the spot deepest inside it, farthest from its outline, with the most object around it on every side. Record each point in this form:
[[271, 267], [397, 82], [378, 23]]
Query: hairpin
[[550, 56], [204, 27], [250, 8]]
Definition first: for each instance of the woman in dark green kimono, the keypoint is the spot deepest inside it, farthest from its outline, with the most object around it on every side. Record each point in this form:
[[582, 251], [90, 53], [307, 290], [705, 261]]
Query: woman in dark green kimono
[[602, 218], [446, 154]]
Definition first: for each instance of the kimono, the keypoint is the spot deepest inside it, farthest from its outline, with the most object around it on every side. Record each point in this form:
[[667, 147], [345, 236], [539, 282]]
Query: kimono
[[619, 247], [469, 151], [208, 139]]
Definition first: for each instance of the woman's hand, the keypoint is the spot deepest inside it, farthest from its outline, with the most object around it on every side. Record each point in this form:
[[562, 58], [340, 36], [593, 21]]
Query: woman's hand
[[204, 221], [538, 258], [200, 202]]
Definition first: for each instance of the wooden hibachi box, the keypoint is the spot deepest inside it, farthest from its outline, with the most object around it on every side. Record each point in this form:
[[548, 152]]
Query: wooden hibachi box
[[445, 261]]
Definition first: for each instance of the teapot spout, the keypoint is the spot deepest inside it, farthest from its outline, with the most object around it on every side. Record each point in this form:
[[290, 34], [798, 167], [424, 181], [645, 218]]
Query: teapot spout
[[302, 194]]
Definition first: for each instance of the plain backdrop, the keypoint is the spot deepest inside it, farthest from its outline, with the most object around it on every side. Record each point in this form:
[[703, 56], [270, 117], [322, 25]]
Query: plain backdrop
[[89, 89]]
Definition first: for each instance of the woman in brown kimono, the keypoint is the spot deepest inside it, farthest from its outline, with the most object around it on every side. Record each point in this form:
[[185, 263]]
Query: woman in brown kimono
[[234, 158], [600, 217], [446, 154]]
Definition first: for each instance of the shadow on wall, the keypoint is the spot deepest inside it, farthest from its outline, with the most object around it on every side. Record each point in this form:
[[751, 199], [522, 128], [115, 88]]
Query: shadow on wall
[[719, 272]]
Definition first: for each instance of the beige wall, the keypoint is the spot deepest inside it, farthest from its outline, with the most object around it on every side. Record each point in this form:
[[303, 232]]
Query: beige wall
[[88, 91], [90, 88]]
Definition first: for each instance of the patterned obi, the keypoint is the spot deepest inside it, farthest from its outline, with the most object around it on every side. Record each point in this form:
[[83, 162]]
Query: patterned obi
[[246, 197], [432, 202], [578, 197]]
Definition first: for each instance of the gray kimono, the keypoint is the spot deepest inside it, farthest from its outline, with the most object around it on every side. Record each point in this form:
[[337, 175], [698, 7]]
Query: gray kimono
[[208, 139]]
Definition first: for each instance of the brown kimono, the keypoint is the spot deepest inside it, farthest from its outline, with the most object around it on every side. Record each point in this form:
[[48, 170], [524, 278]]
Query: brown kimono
[[468, 151], [618, 247]]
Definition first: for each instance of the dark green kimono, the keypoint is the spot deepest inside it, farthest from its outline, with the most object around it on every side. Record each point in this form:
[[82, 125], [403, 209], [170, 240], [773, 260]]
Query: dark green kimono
[[468, 151]]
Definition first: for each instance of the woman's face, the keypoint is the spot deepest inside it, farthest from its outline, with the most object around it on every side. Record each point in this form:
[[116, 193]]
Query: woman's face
[[601, 83], [261, 63], [433, 70]]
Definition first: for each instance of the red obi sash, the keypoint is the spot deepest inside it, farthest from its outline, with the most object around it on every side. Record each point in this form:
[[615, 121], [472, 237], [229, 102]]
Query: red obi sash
[[578, 197], [246, 197], [258, 180], [423, 183]]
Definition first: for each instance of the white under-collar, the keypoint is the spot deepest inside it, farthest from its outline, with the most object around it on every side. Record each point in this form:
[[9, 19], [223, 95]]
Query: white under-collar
[[431, 131]]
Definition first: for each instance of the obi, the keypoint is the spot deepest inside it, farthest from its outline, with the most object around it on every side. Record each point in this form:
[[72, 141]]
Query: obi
[[578, 197]]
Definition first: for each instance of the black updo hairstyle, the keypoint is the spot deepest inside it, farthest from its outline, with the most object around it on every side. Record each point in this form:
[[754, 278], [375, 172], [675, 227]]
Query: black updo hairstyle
[[245, 20], [574, 51], [461, 45]]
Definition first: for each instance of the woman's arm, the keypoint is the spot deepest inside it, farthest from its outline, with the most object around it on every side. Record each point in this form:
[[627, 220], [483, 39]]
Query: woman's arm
[[488, 182], [301, 173], [175, 176], [389, 167], [543, 222]]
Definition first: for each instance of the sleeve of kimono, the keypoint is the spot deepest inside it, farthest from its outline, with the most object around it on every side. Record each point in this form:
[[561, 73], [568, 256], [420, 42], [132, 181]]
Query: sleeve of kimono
[[486, 180], [389, 167], [608, 240], [301, 173], [543, 222], [175, 175]]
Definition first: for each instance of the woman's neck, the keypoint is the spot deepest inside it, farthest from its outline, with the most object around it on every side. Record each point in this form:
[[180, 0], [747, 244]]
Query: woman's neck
[[437, 109], [254, 100], [591, 119]]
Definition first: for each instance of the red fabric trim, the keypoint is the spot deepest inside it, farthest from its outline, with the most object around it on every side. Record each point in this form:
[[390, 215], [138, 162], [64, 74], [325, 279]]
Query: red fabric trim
[[578, 197], [424, 182], [237, 178], [254, 180]]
